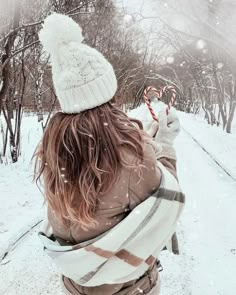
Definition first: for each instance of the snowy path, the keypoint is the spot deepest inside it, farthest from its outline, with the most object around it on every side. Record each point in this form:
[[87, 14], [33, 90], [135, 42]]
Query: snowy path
[[207, 263]]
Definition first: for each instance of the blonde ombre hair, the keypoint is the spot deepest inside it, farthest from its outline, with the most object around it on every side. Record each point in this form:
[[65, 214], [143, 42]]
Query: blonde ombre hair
[[79, 158]]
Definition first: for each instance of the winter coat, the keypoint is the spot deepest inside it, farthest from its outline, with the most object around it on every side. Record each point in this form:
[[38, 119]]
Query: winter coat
[[133, 186]]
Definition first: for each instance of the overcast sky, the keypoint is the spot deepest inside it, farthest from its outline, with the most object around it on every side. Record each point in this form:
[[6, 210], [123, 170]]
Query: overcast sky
[[187, 15]]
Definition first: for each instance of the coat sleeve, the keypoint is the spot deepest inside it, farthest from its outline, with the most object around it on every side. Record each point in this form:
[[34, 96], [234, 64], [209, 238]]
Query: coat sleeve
[[146, 177]]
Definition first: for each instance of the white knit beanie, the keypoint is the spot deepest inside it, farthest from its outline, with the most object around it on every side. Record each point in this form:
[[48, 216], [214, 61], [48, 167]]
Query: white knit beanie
[[82, 77]]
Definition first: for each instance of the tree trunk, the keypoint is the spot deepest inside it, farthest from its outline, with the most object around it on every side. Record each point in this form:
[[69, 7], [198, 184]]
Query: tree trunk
[[230, 119]]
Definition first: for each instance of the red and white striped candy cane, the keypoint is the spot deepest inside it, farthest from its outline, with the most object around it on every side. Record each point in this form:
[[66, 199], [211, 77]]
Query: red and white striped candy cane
[[147, 100], [159, 96], [173, 96]]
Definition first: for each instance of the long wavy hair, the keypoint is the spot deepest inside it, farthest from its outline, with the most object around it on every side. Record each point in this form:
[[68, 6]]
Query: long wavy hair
[[79, 158]]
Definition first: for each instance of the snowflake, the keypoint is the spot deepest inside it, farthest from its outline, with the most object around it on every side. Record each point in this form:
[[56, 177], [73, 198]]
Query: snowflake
[[128, 20], [201, 44], [140, 290], [105, 124], [220, 65], [170, 59]]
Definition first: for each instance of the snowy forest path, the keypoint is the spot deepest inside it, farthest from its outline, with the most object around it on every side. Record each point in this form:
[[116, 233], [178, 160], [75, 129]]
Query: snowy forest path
[[208, 244], [205, 233]]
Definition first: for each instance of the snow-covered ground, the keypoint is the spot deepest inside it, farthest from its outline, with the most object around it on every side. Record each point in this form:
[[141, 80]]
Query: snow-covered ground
[[207, 262], [21, 203], [220, 145]]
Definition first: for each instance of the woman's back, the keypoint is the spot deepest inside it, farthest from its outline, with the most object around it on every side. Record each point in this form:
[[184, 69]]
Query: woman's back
[[135, 183], [97, 165]]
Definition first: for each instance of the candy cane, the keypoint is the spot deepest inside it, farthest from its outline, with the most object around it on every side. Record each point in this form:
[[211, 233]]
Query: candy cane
[[159, 96], [147, 101]]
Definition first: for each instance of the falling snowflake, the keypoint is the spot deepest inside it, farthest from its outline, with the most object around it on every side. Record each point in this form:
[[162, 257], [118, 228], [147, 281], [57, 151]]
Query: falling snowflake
[[105, 124], [201, 44], [165, 4], [63, 168], [140, 290], [128, 20], [220, 65], [170, 59]]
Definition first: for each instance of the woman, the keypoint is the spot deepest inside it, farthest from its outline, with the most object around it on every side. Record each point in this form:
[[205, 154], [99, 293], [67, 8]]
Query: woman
[[111, 190]]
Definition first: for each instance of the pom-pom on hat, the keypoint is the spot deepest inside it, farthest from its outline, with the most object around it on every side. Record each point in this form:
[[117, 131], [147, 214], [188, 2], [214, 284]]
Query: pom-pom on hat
[[82, 77]]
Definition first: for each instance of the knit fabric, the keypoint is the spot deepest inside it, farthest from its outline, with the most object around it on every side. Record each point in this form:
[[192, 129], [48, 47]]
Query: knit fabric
[[82, 77]]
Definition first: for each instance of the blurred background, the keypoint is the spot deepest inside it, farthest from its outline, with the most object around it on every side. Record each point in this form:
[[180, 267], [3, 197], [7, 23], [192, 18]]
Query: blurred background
[[187, 44]]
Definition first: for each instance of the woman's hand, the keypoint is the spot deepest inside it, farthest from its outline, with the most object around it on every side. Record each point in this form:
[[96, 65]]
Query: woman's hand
[[168, 127]]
